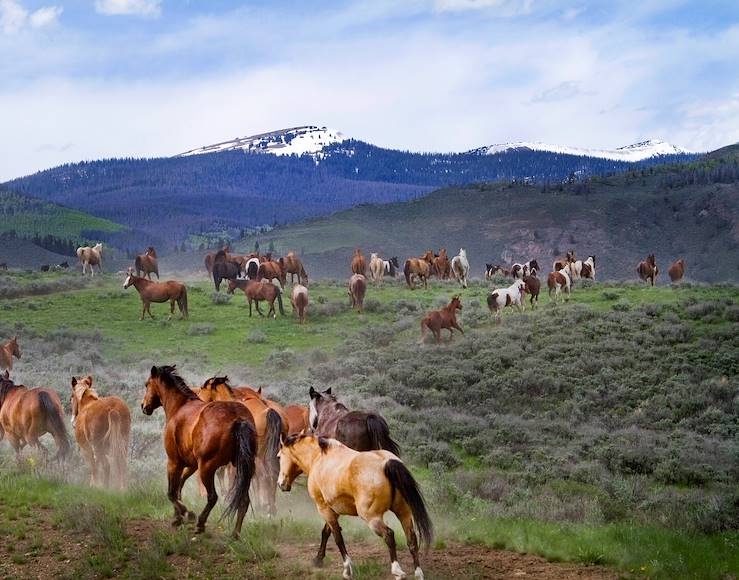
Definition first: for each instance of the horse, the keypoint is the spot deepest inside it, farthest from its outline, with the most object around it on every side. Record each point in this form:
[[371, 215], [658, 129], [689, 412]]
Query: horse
[[558, 281], [441, 266], [89, 257], [444, 318], [360, 430], [583, 269], [299, 300], [102, 427], [560, 263], [491, 271], [28, 414], [677, 270], [158, 292], [297, 418], [147, 263], [251, 268], [63, 265], [271, 270], [342, 481], [377, 268], [648, 270], [461, 267], [7, 351], [45, 268], [293, 265], [359, 264], [202, 437], [357, 290], [391, 267], [418, 268], [256, 291], [224, 268], [511, 296], [532, 289], [520, 271]]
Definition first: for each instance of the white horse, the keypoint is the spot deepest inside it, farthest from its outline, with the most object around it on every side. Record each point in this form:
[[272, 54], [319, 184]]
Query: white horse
[[558, 282], [461, 267], [91, 257], [511, 296], [377, 268]]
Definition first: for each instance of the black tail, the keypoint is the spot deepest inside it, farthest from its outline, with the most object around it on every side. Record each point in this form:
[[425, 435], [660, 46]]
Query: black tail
[[279, 302], [55, 422], [244, 459], [272, 441], [182, 302], [379, 434], [402, 481]]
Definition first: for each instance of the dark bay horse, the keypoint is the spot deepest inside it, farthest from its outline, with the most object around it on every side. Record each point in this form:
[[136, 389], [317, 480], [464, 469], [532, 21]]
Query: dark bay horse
[[444, 318], [224, 268], [202, 437], [648, 270], [158, 292], [147, 263], [359, 430], [7, 351], [418, 268], [533, 285], [256, 291]]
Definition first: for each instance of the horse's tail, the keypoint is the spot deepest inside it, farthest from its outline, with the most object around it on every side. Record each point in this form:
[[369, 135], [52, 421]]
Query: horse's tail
[[55, 422], [279, 302], [379, 434], [137, 263], [244, 458], [118, 448], [407, 272], [272, 440], [80, 251], [402, 481], [182, 301]]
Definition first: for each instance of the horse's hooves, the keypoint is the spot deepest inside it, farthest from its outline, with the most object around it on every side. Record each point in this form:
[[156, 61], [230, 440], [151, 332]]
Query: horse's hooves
[[177, 523], [191, 516], [200, 529], [235, 535], [318, 562]]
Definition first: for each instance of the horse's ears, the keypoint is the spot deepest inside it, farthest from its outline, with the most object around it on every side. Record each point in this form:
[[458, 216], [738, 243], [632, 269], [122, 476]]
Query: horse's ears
[[74, 381], [313, 393], [328, 391], [7, 374], [154, 372], [259, 390]]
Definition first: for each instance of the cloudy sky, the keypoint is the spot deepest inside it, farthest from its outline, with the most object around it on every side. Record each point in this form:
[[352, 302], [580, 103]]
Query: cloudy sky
[[84, 79]]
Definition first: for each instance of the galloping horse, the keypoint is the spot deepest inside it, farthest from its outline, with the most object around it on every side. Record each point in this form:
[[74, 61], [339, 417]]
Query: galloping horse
[[491, 271], [583, 269], [441, 266], [359, 264], [377, 268], [224, 268], [147, 263], [91, 257], [342, 481], [559, 281], [158, 292], [271, 270], [677, 270], [357, 290], [648, 270], [27, 414], [7, 351], [299, 300], [461, 267], [418, 267], [202, 437], [520, 271], [532, 289], [102, 426], [444, 318], [511, 296], [256, 291], [292, 265], [560, 263]]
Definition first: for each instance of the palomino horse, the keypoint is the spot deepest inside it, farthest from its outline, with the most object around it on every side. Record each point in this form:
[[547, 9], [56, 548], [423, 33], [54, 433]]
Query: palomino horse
[[256, 291], [461, 267], [102, 426], [441, 265], [560, 263], [648, 270], [418, 268], [89, 257], [520, 271], [299, 300], [356, 429], [357, 290], [532, 289], [293, 265], [270, 270], [158, 292], [224, 268], [342, 481], [202, 437], [444, 318], [27, 414], [376, 268], [511, 296], [559, 282], [359, 264], [677, 270], [147, 263], [297, 418], [7, 351]]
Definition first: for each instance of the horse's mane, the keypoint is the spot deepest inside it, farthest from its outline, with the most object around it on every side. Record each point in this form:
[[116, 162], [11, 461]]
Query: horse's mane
[[89, 389], [220, 381], [323, 443], [151, 252], [6, 386], [171, 378]]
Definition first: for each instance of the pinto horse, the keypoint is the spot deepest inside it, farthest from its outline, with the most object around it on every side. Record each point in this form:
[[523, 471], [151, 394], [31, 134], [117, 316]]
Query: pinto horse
[[202, 437], [27, 414], [520, 271], [418, 268], [293, 265], [648, 270], [560, 263], [256, 291], [359, 264], [158, 292], [441, 265], [677, 270], [251, 268], [491, 271], [357, 291], [102, 427], [299, 300], [444, 318], [559, 282], [511, 296], [391, 267], [461, 267], [7, 351], [89, 257], [147, 263], [342, 481], [583, 269]]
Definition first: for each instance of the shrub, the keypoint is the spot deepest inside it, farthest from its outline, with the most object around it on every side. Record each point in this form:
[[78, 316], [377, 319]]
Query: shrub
[[201, 329], [257, 337], [220, 298], [622, 305]]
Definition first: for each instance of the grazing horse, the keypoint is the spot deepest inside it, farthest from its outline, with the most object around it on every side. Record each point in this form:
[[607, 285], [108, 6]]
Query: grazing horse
[[224, 268], [444, 318], [441, 266], [202, 437], [147, 263], [648, 270], [357, 291], [520, 271], [418, 268], [491, 271], [342, 481], [297, 419], [391, 267], [559, 281], [89, 257], [560, 263], [158, 292], [359, 430], [359, 264], [27, 414], [532, 289], [102, 426], [461, 267], [677, 270], [376, 268], [293, 265], [271, 270], [511, 296], [299, 300], [256, 291], [7, 351]]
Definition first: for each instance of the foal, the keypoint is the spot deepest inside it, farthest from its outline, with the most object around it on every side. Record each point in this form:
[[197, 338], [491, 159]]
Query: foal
[[444, 318]]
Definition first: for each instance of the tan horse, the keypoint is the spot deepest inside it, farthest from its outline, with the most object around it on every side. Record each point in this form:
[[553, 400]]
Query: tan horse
[[147, 263], [444, 318], [367, 484], [158, 292], [376, 268], [102, 427], [89, 257], [677, 270], [28, 414], [293, 265], [418, 268], [7, 351], [648, 270], [357, 291], [442, 266], [299, 299], [359, 264]]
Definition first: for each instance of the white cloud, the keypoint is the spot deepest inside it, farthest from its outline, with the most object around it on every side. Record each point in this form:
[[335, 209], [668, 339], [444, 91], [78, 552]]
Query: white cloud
[[14, 17], [45, 16], [150, 8], [504, 7]]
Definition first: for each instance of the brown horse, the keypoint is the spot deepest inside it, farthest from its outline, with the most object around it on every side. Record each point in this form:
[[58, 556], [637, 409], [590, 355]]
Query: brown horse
[[442, 266], [560, 263], [359, 264], [299, 299], [418, 268], [102, 426], [7, 351], [256, 291], [158, 292], [297, 419], [357, 291], [677, 270], [444, 318], [533, 285], [648, 270], [270, 270], [147, 263], [224, 268], [27, 414], [293, 265], [202, 437]]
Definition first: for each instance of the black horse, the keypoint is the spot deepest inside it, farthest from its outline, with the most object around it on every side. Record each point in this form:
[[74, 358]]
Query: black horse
[[224, 269], [391, 267]]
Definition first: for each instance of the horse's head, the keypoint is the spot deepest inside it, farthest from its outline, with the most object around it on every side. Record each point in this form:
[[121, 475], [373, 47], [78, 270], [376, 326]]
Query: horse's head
[[154, 386], [291, 451], [6, 385], [79, 388], [429, 256], [652, 260], [521, 287], [455, 304], [231, 286], [318, 402], [150, 251], [216, 389], [394, 261], [533, 265], [98, 248], [357, 252], [129, 278], [15, 348]]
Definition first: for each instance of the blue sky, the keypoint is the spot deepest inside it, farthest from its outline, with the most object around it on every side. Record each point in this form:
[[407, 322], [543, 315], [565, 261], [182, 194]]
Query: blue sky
[[100, 78]]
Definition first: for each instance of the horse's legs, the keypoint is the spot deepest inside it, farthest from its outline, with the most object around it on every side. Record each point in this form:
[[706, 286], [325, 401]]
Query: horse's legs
[[272, 310], [148, 309], [256, 303], [171, 308], [186, 473], [378, 526], [174, 476], [104, 466], [143, 311], [332, 520], [89, 456], [325, 534], [406, 520], [437, 334], [207, 475]]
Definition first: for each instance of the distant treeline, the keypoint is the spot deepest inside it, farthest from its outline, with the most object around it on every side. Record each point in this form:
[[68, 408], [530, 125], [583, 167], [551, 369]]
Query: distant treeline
[[61, 246]]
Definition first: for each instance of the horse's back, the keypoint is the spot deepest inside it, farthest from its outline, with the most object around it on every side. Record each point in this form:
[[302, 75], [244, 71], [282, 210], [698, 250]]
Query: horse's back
[[96, 417], [210, 431]]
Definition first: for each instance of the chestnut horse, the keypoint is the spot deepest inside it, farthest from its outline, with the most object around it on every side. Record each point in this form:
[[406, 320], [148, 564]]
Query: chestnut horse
[[297, 419], [342, 481], [359, 264], [357, 290], [202, 437], [27, 414], [441, 265], [89, 257], [256, 291], [418, 268], [677, 270], [648, 270], [7, 351], [158, 292], [270, 270], [299, 300], [148, 263], [532, 289], [293, 265], [444, 318], [102, 427]]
